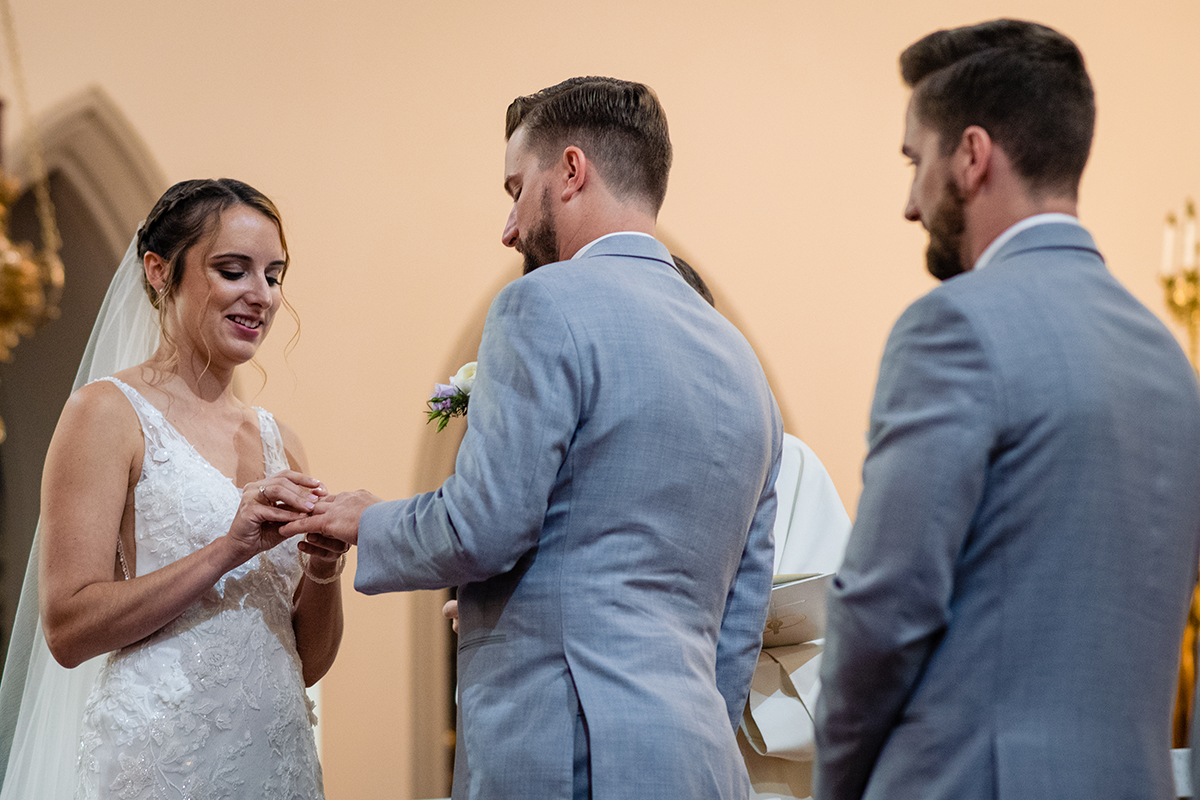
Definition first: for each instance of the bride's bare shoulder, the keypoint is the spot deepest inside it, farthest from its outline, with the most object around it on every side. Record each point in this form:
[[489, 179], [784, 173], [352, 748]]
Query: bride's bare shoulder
[[97, 445], [100, 409]]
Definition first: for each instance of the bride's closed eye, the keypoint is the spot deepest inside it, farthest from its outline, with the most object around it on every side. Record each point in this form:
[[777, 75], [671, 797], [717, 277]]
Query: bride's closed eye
[[233, 275]]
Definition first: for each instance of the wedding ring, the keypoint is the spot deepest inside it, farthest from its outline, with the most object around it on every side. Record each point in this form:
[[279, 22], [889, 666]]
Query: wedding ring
[[262, 490]]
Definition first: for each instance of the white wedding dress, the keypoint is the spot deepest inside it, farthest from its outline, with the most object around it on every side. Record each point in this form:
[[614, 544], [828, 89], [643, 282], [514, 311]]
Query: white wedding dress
[[213, 704]]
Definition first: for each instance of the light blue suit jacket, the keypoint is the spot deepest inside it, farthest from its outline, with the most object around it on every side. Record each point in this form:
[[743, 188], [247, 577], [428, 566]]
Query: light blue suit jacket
[[1008, 618], [609, 526]]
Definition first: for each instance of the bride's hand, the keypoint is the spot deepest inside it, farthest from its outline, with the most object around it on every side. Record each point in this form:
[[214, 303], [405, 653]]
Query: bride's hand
[[267, 504]]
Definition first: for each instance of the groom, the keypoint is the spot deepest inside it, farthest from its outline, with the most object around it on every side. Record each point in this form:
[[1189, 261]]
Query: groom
[[609, 520]]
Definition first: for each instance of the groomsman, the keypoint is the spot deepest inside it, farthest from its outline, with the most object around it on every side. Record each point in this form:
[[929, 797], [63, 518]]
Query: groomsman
[[609, 520], [1008, 618]]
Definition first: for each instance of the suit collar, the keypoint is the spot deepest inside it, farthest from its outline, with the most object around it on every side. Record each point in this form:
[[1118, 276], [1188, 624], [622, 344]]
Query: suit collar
[[583, 251], [1012, 230], [627, 244], [1050, 235]]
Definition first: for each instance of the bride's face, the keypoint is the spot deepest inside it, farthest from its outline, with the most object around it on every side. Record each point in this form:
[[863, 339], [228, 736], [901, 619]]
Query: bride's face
[[230, 289]]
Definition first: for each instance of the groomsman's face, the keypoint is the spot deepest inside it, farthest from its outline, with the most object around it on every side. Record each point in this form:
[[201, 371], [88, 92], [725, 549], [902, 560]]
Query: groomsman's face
[[531, 228], [934, 199]]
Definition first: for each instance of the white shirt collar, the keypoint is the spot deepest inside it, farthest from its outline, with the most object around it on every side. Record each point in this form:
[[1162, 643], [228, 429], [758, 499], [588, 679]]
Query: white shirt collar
[[1012, 230], [580, 253]]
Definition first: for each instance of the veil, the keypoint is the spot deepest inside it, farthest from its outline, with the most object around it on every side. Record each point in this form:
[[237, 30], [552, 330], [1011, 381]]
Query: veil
[[41, 702]]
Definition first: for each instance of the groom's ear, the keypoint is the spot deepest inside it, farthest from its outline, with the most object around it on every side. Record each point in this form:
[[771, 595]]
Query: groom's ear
[[575, 170]]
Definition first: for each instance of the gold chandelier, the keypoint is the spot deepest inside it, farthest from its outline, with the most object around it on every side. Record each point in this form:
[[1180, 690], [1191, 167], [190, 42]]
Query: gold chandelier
[[31, 282]]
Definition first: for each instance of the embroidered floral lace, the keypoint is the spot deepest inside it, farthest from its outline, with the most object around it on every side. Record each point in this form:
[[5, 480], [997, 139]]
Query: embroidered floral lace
[[213, 705]]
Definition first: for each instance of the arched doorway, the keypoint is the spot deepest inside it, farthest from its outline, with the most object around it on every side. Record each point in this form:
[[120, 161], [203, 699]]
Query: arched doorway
[[102, 182]]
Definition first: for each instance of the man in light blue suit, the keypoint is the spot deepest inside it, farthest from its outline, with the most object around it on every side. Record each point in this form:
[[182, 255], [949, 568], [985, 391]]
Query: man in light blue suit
[[609, 520], [1007, 620]]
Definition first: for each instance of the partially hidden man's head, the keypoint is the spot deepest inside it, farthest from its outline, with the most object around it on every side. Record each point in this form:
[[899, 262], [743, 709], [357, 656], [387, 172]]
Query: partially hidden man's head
[[619, 125], [1023, 83], [693, 279]]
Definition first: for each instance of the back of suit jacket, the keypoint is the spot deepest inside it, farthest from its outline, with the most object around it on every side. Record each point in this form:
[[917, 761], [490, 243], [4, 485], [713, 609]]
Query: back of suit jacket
[[609, 525], [1008, 618]]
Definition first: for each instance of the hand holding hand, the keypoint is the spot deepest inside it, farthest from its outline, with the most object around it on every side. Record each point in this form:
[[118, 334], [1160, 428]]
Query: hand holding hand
[[334, 517], [321, 556], [278, 499]]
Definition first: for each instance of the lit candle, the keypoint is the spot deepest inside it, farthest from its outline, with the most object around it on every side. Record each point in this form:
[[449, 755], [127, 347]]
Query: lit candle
[[1189, 238], [1168, 254]]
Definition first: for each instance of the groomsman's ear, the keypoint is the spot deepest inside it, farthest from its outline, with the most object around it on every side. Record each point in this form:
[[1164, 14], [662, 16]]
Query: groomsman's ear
[[575, 169], [972, 161]]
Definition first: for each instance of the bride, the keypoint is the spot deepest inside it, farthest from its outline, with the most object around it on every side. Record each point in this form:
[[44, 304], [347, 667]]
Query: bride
[[159, 541]]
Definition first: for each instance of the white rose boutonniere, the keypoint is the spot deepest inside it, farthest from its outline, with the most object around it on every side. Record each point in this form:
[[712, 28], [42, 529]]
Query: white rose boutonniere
[[464, 379], [450, 400]]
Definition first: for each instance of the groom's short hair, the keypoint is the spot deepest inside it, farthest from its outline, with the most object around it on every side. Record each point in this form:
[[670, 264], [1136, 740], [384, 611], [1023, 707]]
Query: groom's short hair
[[619, 125], [1023, 83]]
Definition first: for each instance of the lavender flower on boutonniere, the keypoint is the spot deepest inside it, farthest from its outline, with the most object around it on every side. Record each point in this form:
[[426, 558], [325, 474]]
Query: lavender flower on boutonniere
[[450, 400]]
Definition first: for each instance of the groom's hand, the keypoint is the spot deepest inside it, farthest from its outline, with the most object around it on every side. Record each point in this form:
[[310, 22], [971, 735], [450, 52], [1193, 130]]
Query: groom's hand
[[334, 517]]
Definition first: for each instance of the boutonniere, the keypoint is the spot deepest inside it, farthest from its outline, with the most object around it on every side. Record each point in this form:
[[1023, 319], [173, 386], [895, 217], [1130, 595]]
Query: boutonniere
[[450, 399]]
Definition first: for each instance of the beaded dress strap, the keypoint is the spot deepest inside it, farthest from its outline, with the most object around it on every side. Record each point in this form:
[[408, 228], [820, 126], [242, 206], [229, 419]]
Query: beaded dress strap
[[154, 424], [274, 455]]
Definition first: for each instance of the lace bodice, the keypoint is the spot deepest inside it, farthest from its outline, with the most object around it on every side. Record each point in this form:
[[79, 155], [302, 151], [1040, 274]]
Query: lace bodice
[[213, 705]]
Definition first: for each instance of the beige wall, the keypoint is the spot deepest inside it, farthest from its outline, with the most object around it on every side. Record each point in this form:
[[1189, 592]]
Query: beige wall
[[377, 126]]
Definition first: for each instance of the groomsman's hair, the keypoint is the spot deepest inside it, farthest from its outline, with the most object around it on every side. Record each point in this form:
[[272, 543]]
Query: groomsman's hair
[[619, 125], [1024, 83]]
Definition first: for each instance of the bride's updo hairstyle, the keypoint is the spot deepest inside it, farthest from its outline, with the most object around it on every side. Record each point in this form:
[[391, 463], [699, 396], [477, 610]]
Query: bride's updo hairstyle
[[186, 213]]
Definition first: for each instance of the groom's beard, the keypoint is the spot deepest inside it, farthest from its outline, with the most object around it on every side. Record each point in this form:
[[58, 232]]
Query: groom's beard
[[541, 246], [943, 256]]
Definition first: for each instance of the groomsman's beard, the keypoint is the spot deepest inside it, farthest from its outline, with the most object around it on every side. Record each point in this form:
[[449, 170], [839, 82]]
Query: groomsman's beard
[[943, 256], [541, 246]]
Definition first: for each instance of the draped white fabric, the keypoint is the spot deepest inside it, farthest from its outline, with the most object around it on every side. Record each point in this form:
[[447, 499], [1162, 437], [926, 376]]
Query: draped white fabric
[[41, 703], [811, 525]]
